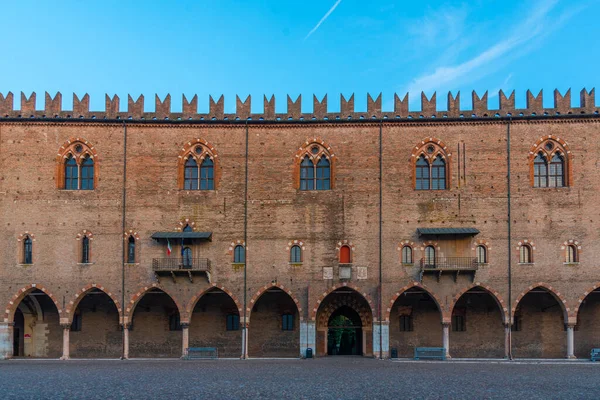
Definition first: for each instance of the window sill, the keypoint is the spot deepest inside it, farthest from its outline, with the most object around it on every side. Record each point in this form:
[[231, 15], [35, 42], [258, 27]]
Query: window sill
[[295, 264], [25, 265], [131, 264], [571, 263], [86, 264], [408, 264], [76, 190], [530, 263]]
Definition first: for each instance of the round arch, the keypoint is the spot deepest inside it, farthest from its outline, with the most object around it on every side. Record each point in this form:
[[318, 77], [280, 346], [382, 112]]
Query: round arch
[[494, 294], [12, 305], [189, 308], [128, 314], [419, 285], [557, 296], [262, 290], [313, 313], [72, 305], [331, 307]]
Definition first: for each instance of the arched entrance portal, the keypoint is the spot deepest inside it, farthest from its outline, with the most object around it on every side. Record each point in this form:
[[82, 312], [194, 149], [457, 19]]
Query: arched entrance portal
[[344, 333], [37, 331], [344, 324]]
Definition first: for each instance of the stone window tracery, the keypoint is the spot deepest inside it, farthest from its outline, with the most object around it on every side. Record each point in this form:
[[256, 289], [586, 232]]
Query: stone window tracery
[[314, 166], [550, 163], [431, 165], [76, 166], [198, 166]]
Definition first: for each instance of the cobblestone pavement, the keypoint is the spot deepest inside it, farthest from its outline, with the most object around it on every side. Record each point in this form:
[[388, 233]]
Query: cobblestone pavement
[[332, 378]]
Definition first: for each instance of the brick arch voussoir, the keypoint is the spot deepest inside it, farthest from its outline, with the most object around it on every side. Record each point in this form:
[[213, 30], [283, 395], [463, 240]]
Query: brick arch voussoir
[[535, 147], [582, 298], [435, 297], [89, 148], [188, 147], [354, 303], [13, 303], [263, 289], [365, 295], [189, 308], [310, 141], [133, 302], [74, 302], [567, 312], [492, 292]]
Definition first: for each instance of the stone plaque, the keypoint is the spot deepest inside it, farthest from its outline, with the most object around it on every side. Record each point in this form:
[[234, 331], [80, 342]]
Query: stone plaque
[[361, 272], [327, 272], [345, 272]]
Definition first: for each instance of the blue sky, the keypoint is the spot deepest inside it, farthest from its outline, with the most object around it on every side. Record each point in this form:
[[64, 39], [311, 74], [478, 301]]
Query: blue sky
[[298, 47]]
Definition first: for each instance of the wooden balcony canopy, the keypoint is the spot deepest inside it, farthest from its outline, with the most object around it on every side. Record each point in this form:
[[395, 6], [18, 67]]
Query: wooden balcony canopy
[[182, 235], [447, 231]]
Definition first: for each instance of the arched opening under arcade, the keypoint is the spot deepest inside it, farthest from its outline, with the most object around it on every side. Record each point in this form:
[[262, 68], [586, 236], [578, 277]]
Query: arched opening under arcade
[[155, 326], [415, 321], [587, 330], [344, 324], [477, 328], [37, 332], [538, 329], [215, 322], [95, 330], [274, 329]]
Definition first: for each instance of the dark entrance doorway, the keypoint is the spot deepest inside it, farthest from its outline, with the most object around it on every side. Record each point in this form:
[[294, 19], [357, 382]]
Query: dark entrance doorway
[[19, 334], [344, 333]]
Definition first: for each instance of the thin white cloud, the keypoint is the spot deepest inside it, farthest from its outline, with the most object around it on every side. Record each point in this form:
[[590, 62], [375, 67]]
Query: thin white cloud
[[313, 30], [536, 25]]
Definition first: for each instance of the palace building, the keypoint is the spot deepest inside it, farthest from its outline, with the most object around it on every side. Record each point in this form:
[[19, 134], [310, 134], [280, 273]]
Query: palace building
[[141, 234]]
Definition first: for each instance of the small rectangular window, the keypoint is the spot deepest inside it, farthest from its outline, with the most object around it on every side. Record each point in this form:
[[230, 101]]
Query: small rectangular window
[[459, 323], [517, 324], [76, 324], [406, 323], [233, 322], [174, 322], [288, 322]]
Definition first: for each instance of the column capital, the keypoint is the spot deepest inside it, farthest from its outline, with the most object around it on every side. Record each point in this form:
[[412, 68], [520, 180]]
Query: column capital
[[446, 324], [126, 325], [571, 325], [66, 326], [185, 325]]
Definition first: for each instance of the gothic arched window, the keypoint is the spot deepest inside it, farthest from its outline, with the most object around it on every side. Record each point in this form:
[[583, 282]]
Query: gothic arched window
[[422, 173], [191, 175], [239, 254], [27, 250], [131, 250], [207, 175], [87, 173], [550, 161], [76, 166], [314, 167], [85, 250], [431, 163], [295, 254]]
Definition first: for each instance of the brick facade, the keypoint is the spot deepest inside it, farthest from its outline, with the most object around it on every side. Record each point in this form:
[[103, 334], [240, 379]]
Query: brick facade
[[268, 213]]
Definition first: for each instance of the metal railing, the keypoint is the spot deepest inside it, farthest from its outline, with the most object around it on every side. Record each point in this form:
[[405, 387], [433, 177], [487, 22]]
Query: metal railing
[[450, 263], [180, 264]]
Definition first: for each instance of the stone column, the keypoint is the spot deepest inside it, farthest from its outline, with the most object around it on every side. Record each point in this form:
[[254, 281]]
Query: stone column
[[446, 338], [385, 339], [308, 336], [66, 332], [507, 341], [6, 340], [126, 342], [185, 338], [571, 341], [244, 341]]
